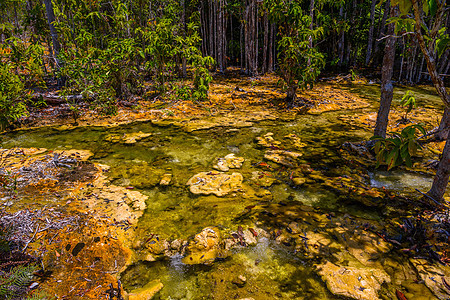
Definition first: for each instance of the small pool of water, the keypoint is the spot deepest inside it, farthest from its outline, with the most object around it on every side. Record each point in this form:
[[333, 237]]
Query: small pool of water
[[397, 180], [269, 271]]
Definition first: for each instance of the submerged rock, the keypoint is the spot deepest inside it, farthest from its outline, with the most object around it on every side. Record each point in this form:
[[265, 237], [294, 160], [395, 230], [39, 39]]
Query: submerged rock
[[204, 248], [283, 157], [263, 179], [298, 181], [268, 141], [356, 283], [217, 183], [128, 138], [229, 162], [139, 175], [240, 281], [155, 249], [166, 179], [147, 292], [295, 141]]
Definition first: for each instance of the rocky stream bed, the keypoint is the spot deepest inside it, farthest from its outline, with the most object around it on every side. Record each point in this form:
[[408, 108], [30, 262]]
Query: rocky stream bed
[[247, 206]]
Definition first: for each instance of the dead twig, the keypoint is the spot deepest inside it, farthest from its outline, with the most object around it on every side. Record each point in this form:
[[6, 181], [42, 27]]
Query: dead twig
[[32, 238], [431, 198]]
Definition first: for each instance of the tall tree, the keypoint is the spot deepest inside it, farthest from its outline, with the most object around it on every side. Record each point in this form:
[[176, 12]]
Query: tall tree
[[51, 23], [371, 29], [387, 88], [299, 63]]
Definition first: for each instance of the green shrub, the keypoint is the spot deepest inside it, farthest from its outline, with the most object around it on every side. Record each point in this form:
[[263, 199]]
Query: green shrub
[[408, 101], [399, 148], [12, 96]]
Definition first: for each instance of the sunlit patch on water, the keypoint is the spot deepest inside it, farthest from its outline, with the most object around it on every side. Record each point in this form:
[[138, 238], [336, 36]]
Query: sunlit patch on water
[[399, 181]]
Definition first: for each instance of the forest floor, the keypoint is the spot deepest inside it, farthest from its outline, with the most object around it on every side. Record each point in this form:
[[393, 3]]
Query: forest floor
[[57, 238]]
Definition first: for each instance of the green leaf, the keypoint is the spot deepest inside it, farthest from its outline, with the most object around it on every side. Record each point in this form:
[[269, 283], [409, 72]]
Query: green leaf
[[412, 147], [377, 147], [405, 6], [433, 7], [380, 3], [425, 7], [391, 159], [404, 152], [408, 161], [441, 45]]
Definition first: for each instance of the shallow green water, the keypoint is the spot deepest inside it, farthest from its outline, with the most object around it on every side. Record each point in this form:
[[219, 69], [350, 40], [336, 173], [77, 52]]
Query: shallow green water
[[173, 212]]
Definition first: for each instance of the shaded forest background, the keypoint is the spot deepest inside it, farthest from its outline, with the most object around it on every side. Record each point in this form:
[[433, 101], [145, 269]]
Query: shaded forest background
[[104, 50]]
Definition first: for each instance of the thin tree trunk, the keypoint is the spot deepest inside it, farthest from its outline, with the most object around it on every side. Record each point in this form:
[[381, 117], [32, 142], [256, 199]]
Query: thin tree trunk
[[291, 94], [215, 35], [211, 28], [447, 68], [419, 73], [311, 26], [349, 40], [266, 41], [370, 39], [341, 39], [203, 26], [241, 46], [444, 125], [256, 38], [246, 36], [224, 36], [387, 89], [219, 36], [56, 45], [383, 23], [183, 24], [271, 44], [403, 60], [444, 62], [412, 64]]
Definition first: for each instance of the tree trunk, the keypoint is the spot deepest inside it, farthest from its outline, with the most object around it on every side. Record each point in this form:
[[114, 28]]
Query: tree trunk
[[53, 33], [183, 24], [441, 178], [383, 23], [370, 39], [444, 126], [419, 72], [266, 42], [211, 28], [290, 94], [220, 36], [444, 62], [271, 44], [411, 65], [241, 46], [403, 60], [311, 26], [387, 89], [256, 38], [250, 37], [349, 41], [341, 40]]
